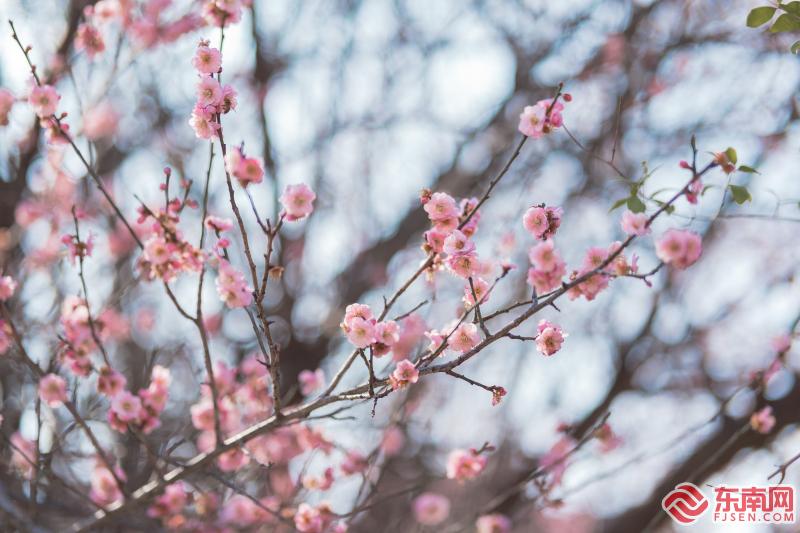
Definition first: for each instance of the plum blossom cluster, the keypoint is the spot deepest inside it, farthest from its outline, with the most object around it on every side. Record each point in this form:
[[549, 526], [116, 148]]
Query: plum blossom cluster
[[213, 99], [542, 221], [142, 410], [613, 263], [453, 226], [243, 397], [543, 117], [460, 337], [679, 248], [364, 331], [167, 253]]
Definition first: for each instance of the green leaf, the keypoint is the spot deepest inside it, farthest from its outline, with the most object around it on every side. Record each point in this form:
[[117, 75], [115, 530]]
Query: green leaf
[[750, 170], [785, 22], [795, 47], [759, 16], [706, 188], [792, 7], [740, 194], [636, 205], [731, 153], [618, 204]]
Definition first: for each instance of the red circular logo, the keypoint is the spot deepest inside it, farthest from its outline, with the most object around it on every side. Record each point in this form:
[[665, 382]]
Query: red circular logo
[[685, 504]]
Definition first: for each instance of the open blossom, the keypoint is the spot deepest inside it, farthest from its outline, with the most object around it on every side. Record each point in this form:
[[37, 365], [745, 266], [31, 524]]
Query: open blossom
[[53, 390], [44, 100], [431, 509], [310, 381], [463, 465], [7, 287], [493, 523], [245, 169], [297, 201], [207, 60], [360, 332], [542, 222], [89, 39], [386, 335], [203, 122], [457, 243], [549, 338], [763, 421], [6, 103], [441, 206], [465, 337], [481, 290], [534, 121], [404, 374], [680, 248], [232, 287], [634, 223], [543, 256], [548, 267], [105, 489], [209, 91], [463, 265], [110, 382], [126, 407]]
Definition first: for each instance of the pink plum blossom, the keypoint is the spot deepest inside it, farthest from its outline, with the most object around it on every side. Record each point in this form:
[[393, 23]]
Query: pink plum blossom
[[404, 374], [634, 223], [53, 390], [463, 465], [297, 201], [207, 60], [465, 337], [44, 100], [680, 248], [431, 509], [549, 338]]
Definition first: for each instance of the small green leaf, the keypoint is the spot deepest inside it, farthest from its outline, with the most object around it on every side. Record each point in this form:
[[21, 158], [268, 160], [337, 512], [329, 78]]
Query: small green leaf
[[796, 47], [740, 194], [750, 170], [759, 16], [707, 187], [792, 7], [636, 205], [731, 153], [785, 22], [618, 204]]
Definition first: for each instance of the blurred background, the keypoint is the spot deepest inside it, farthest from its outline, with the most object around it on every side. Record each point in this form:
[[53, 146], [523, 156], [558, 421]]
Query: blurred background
[[369, 102]]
